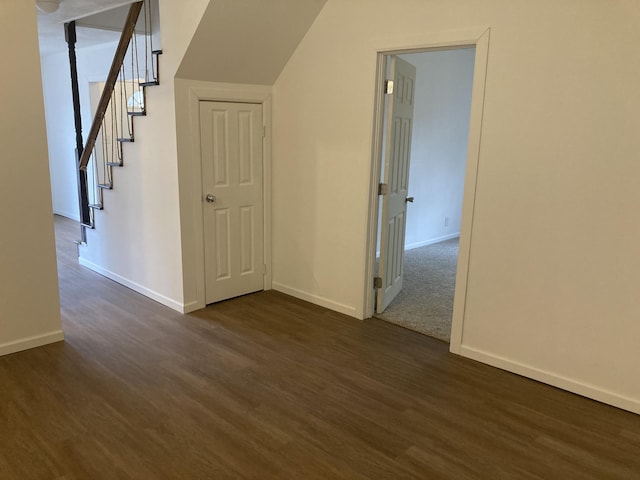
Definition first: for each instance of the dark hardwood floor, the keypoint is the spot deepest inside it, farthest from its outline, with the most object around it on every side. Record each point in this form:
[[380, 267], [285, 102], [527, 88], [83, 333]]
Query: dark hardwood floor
[[270, 387]]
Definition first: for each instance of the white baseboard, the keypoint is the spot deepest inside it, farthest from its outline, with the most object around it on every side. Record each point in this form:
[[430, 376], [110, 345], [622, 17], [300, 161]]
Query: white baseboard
[[192, 306], [70, 215], [31, 342], [315, 299], [431, 241], [550, 378], [424, 243], [169, 302]]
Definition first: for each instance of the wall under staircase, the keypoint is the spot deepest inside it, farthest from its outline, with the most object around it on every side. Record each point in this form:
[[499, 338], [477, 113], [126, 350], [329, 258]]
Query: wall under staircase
[[137, 238]]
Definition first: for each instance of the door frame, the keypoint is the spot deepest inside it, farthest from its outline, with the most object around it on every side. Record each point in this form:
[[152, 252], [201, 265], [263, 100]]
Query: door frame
[[478, 38], [232, 93]]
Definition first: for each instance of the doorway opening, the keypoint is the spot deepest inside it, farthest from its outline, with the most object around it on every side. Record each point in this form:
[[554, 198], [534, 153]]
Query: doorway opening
[[435, 184], [426, 148]]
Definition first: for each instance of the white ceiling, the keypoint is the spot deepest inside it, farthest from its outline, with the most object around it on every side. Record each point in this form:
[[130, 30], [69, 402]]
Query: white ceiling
[[51, 26]]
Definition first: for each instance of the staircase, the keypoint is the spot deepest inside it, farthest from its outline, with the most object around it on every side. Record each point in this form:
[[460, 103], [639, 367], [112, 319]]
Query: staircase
[[135, 68]]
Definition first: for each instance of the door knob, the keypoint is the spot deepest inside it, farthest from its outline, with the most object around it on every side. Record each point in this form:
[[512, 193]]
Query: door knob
[[408, 199], [210, 198]]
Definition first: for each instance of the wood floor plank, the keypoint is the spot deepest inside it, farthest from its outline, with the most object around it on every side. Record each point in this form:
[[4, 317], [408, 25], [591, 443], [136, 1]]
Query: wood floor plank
[[267, 386]]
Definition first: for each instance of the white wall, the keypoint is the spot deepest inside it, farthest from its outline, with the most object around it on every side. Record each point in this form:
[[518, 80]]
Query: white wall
[[29, 303], [93, 65], [137, 236], [554, 269], [439, 144]]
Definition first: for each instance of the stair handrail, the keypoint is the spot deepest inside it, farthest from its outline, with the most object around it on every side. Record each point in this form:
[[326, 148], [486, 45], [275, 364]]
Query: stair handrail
[[105, 98]]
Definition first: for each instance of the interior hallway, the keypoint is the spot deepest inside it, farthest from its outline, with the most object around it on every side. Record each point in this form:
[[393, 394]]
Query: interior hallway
[[270, 387]]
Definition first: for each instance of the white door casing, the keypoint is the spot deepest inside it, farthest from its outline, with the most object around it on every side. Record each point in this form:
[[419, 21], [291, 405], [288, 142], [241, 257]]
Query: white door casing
[[396, 179], [233, 212]]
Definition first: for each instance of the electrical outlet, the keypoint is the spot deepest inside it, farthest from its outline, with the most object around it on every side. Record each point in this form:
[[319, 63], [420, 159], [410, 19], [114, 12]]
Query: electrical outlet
[[446, 221]]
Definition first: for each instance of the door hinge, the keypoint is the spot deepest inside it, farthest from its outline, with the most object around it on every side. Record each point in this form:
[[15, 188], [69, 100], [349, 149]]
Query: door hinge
[[377, 282], [383, 189], [388, 87]]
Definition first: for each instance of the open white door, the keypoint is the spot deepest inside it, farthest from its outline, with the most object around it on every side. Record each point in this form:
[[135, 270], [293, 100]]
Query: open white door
[[396, 179], [232, 184]]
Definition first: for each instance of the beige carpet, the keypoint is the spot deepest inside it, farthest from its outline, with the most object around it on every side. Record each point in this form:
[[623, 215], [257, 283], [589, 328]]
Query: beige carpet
[[425, 303]]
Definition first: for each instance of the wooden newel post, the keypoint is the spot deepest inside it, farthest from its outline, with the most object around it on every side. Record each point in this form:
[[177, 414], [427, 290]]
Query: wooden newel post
[[83, 193]]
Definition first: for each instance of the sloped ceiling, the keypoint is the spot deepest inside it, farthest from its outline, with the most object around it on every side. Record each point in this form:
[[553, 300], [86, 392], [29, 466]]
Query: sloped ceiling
[[50, 26], [114, 19], [247, 41]]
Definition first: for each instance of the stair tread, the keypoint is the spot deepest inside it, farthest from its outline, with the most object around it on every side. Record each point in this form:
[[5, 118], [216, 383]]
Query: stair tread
[[115, 164], [107, 186], [156, 52], [126, 140], [151, 83], [137, 114], [96, 206]]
